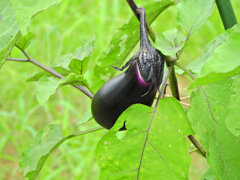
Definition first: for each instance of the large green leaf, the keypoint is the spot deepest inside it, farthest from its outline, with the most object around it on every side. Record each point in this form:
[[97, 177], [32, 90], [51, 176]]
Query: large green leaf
[[37, 153], [217, 124], [194, 13], [223, 63], [166, 154], [25, 9], [16, 15], [122, 43], [209, 49], [8, 31], [44, 143]]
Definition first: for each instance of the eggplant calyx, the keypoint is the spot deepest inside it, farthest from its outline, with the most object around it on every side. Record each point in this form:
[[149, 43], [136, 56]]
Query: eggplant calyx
[[150, 60]]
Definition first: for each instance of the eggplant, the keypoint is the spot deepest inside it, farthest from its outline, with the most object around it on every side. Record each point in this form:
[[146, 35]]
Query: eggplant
[[138, 84]]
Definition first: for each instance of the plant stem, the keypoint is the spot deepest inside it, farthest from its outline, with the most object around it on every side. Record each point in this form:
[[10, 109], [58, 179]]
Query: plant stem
[[226, 12], [175, 92], [174, 84], [83, 132], [51, 71], [17, 60], [197, 144], [181, 66], [134, 8]]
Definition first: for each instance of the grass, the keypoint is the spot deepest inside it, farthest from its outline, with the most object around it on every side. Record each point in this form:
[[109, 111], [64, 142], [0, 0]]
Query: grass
[[60, 30]]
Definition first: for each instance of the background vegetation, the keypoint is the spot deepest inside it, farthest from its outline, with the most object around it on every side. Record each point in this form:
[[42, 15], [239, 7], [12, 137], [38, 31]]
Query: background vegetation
[[59, 30]]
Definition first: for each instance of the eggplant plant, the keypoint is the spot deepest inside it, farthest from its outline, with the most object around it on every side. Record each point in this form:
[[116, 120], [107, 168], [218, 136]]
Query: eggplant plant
[[154, 145], [138, 84]]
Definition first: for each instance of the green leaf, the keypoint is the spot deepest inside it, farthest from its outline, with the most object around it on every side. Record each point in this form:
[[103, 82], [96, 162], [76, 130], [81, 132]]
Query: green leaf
[[209, 175], [76, 62], [209, 49], [87, 116], [170, 42], [166, 153], [37, 76], [46, 87], [15, 15], [219, 128], [77, 79], [194, 13], [223, 63], [34, 157], [24, 41], [122, 43], [8, 31], [25, 9]]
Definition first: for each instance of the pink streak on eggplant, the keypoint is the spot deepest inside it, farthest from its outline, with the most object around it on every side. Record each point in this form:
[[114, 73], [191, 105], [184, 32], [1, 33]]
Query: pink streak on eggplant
[[117, 94], [140, 78]]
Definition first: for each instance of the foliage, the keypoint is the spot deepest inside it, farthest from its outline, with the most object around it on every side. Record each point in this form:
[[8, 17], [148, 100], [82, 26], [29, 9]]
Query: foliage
[[217, 122], [166, 154], [154, 146]]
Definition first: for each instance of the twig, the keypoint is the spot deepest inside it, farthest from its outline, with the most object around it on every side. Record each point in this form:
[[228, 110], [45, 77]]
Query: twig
[[18, 60], [83, 132], [181, 66], [51, 71], [175, 92], [150, 123], [185, 42], [205, 95], [75, 135], [134, 8]]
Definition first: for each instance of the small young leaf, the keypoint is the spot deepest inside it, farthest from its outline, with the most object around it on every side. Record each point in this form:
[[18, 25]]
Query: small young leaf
[[75, 62], [8, 31], [46, 87], [37, 76], [194, 14], [73, 78], [166, 154], [170, 42], [24, 41], [216, 122], [34, 157]]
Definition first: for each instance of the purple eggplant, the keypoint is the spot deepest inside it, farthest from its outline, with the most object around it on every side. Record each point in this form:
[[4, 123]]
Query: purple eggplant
[[138, 84]]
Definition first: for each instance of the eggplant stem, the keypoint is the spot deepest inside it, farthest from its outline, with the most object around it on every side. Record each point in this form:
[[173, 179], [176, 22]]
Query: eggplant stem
[[134, 8]]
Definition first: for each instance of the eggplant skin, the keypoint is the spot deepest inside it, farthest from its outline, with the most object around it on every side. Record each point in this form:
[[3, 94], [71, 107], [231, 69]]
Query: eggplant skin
[[117, 94]]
